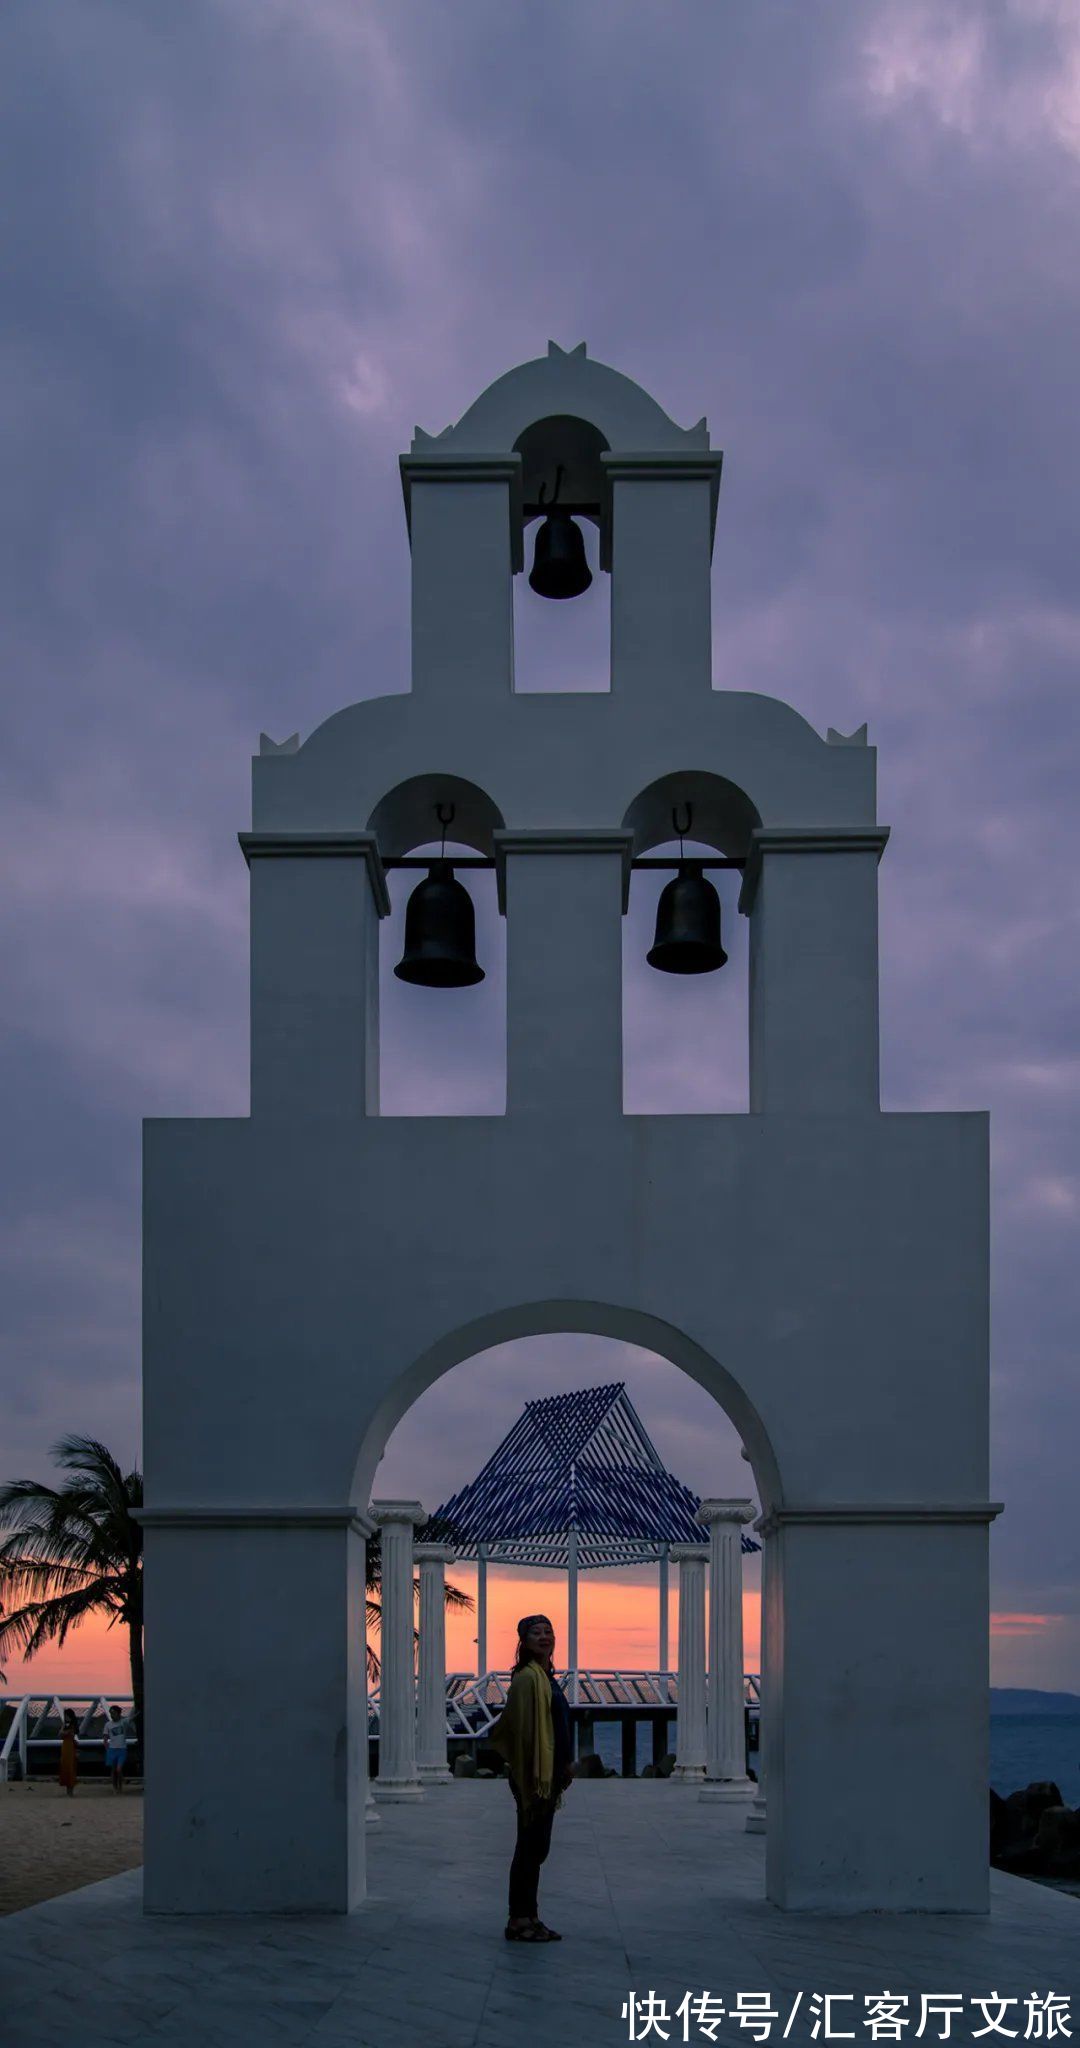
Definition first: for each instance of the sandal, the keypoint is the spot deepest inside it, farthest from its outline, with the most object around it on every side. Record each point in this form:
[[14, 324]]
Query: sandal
[[546, 1933], [532, 1931]]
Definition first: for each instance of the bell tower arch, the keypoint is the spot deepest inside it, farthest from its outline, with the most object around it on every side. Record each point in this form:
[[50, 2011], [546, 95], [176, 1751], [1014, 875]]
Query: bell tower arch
[[826, 1261]]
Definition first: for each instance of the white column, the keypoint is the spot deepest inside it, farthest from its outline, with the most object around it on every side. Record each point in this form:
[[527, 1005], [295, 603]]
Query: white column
[[725, 1768], [572, 1614], [397, 1779], [431, 1764], [756, 1819], [562, 896], [812, 899], [316, 901], [662, 1645], [659, 529], [691, 1559], [481, 1610], [465, 533]]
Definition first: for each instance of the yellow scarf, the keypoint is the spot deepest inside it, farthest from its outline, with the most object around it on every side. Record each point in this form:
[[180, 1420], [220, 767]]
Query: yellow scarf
[[524, 1735]]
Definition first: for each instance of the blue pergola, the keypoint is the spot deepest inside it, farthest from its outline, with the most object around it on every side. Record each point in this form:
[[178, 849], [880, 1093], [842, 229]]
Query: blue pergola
[[576, 1485]]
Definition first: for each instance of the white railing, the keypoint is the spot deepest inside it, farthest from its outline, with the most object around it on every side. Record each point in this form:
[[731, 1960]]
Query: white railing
[[473, 1705], [35, 1712]]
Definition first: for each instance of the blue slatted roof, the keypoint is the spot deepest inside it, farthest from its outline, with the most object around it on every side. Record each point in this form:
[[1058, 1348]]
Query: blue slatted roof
[[584, 1461]]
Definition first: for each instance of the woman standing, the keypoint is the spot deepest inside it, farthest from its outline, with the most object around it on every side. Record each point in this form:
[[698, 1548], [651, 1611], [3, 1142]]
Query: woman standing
[[69, 1744], [533, 1735]]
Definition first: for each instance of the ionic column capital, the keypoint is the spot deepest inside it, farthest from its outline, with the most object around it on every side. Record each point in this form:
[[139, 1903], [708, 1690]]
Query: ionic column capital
[[385, 1512], [735, 1511]]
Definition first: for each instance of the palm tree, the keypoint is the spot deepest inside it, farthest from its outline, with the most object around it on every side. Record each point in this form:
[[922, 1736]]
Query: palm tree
[[73, 1550], [433, 1533]]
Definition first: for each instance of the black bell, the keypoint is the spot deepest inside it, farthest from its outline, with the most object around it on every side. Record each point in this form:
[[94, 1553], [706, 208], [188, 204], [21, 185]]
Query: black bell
[[687, 925], [440, 933], [559, 568]]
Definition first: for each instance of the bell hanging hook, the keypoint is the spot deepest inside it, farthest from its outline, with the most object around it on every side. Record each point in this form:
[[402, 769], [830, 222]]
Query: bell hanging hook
[[544, 505], [444, 822], [681, 830]]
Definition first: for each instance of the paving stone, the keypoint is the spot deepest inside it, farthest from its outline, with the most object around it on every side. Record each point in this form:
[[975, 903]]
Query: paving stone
[[648, 1889]]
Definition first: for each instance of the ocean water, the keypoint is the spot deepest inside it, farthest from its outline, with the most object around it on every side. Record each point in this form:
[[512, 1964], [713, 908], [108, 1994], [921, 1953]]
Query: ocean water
[[1023, 1748]]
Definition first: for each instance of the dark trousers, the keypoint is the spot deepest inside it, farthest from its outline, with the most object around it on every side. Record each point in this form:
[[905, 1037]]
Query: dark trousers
[[530, 1851]]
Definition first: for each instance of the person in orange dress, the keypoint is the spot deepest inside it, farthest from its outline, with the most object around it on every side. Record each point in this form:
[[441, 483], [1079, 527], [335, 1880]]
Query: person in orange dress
[[69, 1746]]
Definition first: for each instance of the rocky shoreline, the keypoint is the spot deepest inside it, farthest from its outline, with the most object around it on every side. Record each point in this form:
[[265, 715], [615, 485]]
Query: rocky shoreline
[[1034, 1834]]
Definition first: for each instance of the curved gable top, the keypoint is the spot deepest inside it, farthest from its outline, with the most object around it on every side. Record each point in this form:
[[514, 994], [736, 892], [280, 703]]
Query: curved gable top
[[564, 382]]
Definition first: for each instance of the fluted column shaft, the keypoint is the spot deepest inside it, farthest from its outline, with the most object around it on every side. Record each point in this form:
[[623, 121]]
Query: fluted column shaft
[[397, 1777], [726, 1734], [756, 1819], [431, 1764], [691, 1559]]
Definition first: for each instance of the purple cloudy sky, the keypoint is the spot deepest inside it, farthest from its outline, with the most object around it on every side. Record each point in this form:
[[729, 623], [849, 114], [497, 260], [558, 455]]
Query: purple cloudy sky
[[254, 243]]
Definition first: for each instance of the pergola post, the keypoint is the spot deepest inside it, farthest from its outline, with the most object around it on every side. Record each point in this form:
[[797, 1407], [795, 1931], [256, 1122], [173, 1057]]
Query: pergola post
[[662, 1645], [725, 1769], [481, 1609], [572, 1611], [691, 1559]]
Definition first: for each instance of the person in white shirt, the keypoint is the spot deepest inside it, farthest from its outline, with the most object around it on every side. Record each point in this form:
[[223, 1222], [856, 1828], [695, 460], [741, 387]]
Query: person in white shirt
[[116, 1747]]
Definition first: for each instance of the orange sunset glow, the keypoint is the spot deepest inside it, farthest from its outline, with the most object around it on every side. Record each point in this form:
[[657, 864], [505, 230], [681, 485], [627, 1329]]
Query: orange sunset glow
[[617, 1625]]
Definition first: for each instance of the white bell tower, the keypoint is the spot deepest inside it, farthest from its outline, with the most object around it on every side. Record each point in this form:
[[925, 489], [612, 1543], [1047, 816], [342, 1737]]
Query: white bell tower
[[819, 1265]]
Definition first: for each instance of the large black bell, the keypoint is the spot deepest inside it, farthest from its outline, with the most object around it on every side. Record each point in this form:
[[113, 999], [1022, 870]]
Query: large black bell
[[440, 933], [560, 568], [687, 925]]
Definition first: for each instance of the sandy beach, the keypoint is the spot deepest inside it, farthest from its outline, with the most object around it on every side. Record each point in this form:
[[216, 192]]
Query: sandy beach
[[51, 1844]]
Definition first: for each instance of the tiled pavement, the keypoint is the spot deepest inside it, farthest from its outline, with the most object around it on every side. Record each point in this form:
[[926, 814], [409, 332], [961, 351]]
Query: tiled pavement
[[651, 1889]]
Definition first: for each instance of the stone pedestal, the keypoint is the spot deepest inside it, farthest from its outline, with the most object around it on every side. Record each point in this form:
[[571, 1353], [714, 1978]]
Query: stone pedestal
[[725, 1767], [431, 1764], [397, 1779], [691, 1559]]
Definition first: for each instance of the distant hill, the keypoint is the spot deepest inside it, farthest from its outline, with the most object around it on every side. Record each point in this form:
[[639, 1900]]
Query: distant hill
[[1018, 1699]]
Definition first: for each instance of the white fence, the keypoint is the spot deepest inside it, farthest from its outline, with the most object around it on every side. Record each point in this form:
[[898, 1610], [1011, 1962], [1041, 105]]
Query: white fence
[[39, 1716], [473, 1705]]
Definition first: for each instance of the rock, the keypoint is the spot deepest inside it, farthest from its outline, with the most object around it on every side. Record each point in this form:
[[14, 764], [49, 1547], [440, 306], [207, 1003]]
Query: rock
[[482, 1773], [649, 1771], [611, 1772], [465, 1767], [666, 1765], [590, 1765], [1034, 1834], [1057, 1836], [1018, 1816]]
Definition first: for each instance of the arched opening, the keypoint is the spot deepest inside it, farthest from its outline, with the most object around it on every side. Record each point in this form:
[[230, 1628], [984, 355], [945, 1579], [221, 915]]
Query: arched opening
[[562, 1462], [686, 1037], [605, 1320], [450, 1432], [564, 646], [442, 1052]]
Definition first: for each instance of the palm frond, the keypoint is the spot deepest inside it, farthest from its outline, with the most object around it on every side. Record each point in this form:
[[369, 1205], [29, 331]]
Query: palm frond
[[39, 1622]]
